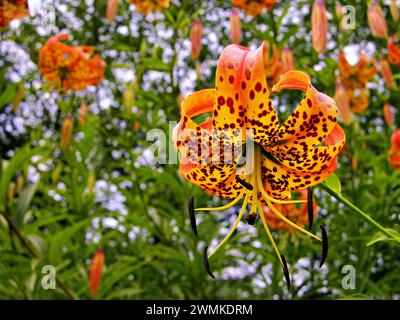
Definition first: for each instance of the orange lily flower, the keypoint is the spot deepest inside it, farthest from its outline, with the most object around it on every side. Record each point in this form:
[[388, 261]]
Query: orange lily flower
[[273, 66], [287, 60], [10, 10], [386, 73], [235, 27], [319, 26], [96, 271], [388, 114], [377, 21], [254, 7], [357, 76], [359, 100], [298, 213], [68, 67], [296, 155], [196, 33], [343, 103], [394, 51], [147, 6]]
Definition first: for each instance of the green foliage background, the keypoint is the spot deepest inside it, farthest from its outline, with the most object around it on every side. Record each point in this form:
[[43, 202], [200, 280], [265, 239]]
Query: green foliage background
[[163, 260]]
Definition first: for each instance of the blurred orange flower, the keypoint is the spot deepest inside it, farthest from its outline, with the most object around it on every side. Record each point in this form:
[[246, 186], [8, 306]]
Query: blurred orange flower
[[394, 51], [355, 79], [96, 271], [12, 9], [235, 27], [394, 151], [377, 21], [295, 212], [254, 7], [273, 66], [196, 33], [147, 6], [287, 60], [386, 73], [388, 114], [68, 67], [319, 26]]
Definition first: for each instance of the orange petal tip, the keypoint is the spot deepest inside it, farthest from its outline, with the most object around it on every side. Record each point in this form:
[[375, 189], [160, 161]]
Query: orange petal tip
[[293, 79]]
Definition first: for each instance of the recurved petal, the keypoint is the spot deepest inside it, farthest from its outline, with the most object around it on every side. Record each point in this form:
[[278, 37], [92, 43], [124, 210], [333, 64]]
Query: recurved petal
[[262, 119], [310, 169], [309, 124]]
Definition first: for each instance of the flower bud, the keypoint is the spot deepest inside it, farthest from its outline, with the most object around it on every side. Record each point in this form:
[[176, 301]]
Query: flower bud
[[96, 271], [394, 10], [343, 103], [112, 8], [128, 96], [235, 27], [319, 26], [339, 10], [11, 191], [196, 34], [91, 181], [376, 20], [18, 97], [66, 131], [388, 114], [386, 73], [20, 183], [83, 110], [55, 175], [287, 60]]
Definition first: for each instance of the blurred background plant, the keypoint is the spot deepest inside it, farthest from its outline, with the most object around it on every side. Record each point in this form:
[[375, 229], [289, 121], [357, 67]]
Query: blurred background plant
[[77, 176]]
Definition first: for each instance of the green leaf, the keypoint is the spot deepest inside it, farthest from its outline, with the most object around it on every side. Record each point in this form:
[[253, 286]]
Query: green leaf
[[14, 165], [24, 201], [61, 238], [8, 95], [380, 236], [333, 182]]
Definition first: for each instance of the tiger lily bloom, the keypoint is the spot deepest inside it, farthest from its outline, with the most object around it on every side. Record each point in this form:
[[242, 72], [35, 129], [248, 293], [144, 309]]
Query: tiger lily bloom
[[96, 272], [343, 103], [356, 77], [196, 33], [287, 60], [68, 67], [111, 11], [388, 114], [254, 7], [394, 51], [235, 27], [294, 156], [273, 66], [296, 212], [319, 26], [386, 73], [377, 21], [359, 100], [394, 10], [147, 6], [12, 9]]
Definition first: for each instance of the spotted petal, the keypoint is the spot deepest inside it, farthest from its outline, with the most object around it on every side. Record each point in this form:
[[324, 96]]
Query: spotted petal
[[310, 123]]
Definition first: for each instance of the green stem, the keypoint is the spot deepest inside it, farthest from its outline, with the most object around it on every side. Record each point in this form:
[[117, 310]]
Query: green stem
[[355, 209]]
